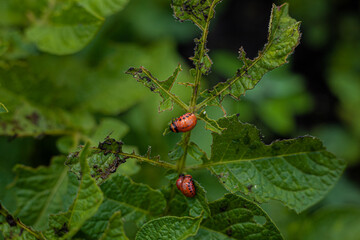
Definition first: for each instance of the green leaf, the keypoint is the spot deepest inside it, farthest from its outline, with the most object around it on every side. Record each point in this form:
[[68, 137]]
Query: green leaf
[[198, 11], [3, 109], [210, 124], [43, 191], [298, 172], [197, 153], [28, 119], [163, 88], [13, 228], [103, 8], [85, 205], [137, 202], [114, 229], [66, 30], [284, 36], [198, 205], [329, 223], [107, 127], [234, 217], [179, 205], [169, 228]]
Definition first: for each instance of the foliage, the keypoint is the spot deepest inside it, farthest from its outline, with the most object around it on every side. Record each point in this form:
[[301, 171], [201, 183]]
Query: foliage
[[89, 194]]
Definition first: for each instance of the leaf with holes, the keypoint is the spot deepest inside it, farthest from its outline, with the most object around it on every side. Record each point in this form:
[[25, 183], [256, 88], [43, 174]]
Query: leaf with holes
[[13, 228], [200, 12], [163, 88], [103, 160], [234, 217], [210, 124], [297, 172], [284, 36]]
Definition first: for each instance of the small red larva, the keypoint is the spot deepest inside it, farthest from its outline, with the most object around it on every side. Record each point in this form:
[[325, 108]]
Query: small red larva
[[184, 123], [179, 181], [186, 185]]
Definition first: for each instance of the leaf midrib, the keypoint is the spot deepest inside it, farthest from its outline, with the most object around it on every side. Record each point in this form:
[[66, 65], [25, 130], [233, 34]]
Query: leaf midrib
[[254, 159], [51, 196]]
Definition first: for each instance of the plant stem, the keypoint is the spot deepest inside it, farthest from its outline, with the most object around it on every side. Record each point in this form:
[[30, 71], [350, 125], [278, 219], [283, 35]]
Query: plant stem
[[185, 143]]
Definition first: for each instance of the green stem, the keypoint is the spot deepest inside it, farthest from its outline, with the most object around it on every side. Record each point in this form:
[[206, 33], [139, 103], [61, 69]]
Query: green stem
[[153, 162], [185, 143]]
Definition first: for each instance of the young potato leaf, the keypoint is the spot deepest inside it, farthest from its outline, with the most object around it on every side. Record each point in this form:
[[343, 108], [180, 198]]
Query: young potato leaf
[[87, 201], [13, 228], [163, 88], [297, 172], [66, 30], [137, 202], [3, 109], [234, 217], [284, 36], [200, 12], [169, 228], [114, 229], [43, 191]]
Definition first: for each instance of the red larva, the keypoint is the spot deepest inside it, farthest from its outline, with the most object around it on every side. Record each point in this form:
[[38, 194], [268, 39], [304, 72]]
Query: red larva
[[186, 185], [184, 123]]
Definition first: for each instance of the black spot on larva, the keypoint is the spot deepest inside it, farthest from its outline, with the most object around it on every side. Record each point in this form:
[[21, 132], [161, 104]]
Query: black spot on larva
[[250, 187], [229, 232]]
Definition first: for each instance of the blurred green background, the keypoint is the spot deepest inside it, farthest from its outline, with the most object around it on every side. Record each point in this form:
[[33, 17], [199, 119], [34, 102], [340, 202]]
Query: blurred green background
[[57, 102]]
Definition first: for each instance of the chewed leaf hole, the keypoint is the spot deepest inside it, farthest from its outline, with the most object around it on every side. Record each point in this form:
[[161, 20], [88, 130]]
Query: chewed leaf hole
[[260, 220]]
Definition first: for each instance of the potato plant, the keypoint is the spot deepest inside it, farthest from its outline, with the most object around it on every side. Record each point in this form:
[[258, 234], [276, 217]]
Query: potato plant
[[83, 195]]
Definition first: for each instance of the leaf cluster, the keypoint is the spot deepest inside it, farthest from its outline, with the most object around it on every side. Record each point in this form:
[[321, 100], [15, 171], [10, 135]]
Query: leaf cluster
[[87, 196]]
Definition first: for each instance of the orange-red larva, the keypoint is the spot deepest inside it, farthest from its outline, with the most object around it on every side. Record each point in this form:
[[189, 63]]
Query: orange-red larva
[[184, 123], [186, 185], [179, 181]]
